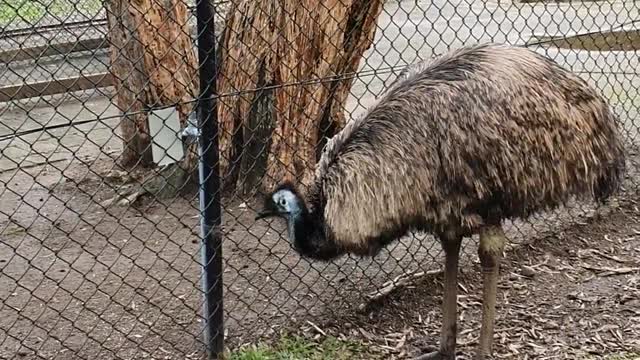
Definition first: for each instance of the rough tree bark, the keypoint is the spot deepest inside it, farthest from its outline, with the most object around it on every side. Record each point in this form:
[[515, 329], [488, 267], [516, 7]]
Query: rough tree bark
[[153, 64], [273, 43]]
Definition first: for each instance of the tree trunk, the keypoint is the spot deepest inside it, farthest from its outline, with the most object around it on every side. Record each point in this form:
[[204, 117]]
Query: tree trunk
[[153, 64], [286, 46]]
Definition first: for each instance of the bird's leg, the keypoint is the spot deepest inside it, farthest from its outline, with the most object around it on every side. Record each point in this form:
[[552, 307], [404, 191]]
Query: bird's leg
[[450, 299], [448, 332], [492, 243]]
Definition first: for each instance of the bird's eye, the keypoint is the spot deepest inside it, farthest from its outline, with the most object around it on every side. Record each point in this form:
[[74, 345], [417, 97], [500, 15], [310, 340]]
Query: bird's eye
[[283, 202]]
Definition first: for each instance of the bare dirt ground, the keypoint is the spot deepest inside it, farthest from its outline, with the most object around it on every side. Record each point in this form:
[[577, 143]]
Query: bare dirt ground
[[94, 281]]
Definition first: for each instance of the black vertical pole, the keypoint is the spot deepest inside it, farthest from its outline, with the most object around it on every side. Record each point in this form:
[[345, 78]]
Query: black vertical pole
[[210, 209]]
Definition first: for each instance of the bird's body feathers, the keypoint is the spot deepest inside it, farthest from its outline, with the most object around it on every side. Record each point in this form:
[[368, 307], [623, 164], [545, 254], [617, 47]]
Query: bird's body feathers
[[481, 134]]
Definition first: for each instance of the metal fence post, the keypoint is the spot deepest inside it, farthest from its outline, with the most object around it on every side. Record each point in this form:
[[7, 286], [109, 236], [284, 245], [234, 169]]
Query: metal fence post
[[210, 208]]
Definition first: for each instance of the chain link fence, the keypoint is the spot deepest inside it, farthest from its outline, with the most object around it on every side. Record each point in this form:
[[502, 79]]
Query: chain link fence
[[99, 219]]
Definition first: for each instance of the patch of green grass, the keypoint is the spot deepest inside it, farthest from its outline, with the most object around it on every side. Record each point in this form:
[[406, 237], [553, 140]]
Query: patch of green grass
[[32, 11], [297, 348]]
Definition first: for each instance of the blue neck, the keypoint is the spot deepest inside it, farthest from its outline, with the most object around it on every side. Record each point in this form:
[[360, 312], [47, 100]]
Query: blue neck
[[295, 221]]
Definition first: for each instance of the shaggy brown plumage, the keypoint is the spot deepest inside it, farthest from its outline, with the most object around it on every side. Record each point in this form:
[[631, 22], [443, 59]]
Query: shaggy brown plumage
[[456, 145], [484, 133]]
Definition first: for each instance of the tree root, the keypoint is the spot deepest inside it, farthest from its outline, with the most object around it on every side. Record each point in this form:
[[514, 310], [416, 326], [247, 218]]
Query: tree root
[[161, 184]]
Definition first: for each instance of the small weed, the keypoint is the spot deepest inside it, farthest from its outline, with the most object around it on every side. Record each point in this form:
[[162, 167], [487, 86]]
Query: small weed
[[297, 348]]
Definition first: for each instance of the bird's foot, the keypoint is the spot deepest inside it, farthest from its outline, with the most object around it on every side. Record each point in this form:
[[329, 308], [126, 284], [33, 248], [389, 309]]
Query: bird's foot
[[436, 355]]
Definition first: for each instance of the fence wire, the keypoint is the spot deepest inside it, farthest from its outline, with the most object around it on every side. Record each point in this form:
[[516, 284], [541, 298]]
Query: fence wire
[[99, 222]]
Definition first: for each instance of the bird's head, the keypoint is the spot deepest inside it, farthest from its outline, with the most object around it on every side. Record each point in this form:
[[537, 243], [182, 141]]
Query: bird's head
[[284, 201], [305, 231]]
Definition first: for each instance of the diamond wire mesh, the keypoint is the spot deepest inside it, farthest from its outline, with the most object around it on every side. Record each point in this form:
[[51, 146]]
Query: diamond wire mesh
[[86, 277]]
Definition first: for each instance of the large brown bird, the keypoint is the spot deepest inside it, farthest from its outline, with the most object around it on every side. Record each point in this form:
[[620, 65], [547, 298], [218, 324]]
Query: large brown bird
[[455, 146]]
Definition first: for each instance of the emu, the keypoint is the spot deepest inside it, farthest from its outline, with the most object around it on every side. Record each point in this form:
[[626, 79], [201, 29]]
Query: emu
[[454, 147]]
